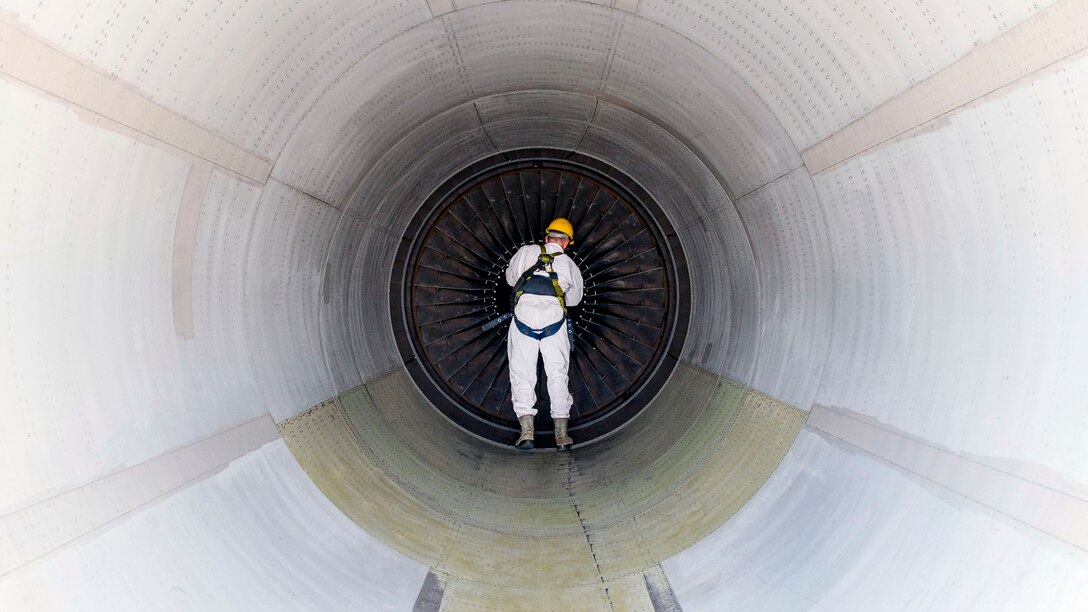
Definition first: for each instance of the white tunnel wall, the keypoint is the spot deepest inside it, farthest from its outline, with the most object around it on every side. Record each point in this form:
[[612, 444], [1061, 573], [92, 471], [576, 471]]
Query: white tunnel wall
[[985, 275], [787, 227], [83, 333], [886, 540], [175, 271], [286, 263], [821, 65], [206, 61]]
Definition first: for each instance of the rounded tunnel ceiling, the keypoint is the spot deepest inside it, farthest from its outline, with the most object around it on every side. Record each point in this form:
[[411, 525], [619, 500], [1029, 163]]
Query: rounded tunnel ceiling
[[830, 357]]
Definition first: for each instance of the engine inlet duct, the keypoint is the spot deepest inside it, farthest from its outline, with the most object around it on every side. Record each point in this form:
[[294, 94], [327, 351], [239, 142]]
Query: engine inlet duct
[[449, 282]]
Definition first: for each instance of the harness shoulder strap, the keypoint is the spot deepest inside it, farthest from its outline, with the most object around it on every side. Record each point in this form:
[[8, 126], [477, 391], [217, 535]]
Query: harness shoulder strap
[[543, 263], [559, 293], [515, 295]]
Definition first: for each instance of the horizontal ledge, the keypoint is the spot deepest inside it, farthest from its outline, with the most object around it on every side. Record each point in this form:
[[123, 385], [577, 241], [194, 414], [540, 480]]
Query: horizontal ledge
[[1042, 507], [1046, 38], [31, 532], [31, 61]]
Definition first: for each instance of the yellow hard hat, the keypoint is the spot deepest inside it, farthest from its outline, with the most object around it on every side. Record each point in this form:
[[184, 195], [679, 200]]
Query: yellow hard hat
[[561, 225]]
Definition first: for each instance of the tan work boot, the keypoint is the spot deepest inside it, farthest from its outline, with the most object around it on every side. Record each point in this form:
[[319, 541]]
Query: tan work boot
[[525, 441], [563, 442]]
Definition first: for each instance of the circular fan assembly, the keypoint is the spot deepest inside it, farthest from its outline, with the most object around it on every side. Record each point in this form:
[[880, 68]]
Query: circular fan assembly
[[449, 282]]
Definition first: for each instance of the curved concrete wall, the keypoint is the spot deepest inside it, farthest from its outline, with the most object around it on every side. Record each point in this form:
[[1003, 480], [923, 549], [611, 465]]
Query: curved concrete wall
[[883, 206]]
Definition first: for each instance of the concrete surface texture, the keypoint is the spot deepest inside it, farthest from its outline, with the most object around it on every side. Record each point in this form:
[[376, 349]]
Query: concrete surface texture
[[881, 402]]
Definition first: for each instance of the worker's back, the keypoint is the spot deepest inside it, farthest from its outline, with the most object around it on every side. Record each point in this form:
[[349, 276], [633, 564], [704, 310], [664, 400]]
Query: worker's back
[[542, 310]]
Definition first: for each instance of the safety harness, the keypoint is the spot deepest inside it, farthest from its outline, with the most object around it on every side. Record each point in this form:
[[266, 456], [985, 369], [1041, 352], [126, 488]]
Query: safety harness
[[533, 284]]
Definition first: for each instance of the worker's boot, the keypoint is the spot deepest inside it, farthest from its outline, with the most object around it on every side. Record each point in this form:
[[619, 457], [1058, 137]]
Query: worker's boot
[[525, 441], [563, 442]]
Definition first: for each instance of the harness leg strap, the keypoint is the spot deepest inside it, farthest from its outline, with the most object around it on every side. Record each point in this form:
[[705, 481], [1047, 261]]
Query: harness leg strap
[[539, 334]]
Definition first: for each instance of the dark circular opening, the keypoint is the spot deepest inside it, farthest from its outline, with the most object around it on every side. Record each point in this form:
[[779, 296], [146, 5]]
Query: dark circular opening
[[449, 282]]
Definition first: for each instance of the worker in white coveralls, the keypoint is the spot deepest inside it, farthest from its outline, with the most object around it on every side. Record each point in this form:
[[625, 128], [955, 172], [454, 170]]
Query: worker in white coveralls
[[546, 281]]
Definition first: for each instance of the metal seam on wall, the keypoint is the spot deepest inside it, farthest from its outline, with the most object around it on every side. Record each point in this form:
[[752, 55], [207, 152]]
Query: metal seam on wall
[[185, 237], [440, 7]]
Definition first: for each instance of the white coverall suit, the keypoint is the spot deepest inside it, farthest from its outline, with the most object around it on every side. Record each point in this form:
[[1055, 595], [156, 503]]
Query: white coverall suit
[[539, 311]]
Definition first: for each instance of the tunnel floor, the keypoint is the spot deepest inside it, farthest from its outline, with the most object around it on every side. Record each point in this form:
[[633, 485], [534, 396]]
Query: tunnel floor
[[582, 529]]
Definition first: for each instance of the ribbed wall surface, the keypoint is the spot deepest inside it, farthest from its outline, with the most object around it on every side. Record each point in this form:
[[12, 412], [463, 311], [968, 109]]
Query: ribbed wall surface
[[882, 206]]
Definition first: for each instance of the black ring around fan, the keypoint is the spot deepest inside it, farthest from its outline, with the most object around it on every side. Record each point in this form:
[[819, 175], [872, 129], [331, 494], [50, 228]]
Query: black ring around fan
[[449, 281]]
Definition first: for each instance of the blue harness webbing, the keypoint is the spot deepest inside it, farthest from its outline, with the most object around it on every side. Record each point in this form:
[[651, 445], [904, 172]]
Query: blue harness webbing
[[537, 285], [539, 334]]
